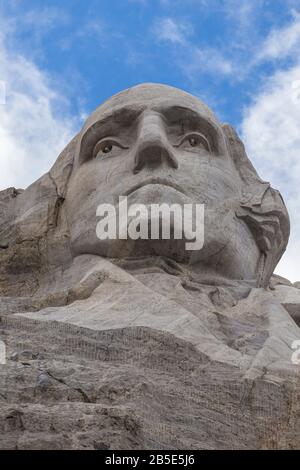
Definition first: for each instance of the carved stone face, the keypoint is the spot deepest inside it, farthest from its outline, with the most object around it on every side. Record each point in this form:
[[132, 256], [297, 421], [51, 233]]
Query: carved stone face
[[157, 144]]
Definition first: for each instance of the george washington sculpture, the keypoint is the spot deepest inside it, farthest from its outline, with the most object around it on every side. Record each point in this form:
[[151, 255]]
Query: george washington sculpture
[[156, 144]]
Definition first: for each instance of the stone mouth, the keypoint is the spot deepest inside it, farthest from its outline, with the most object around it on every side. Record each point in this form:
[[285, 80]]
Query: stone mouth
[[156, 181]]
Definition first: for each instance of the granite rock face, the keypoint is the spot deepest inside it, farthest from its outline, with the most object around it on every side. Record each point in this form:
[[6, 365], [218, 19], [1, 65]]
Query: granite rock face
[[289, 297], [142, 344]]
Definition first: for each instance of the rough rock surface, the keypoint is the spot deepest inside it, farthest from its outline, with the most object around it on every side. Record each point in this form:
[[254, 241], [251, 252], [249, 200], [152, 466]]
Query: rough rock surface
[[289, 297], [144, 345], [74, 388], [279, 281]]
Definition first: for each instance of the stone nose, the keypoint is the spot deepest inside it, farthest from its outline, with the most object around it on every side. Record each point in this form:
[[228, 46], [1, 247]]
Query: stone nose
[[153, 148]]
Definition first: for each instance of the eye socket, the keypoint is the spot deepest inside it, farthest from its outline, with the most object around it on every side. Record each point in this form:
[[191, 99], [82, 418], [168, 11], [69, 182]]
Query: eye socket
[[193, 141], [107, 146]]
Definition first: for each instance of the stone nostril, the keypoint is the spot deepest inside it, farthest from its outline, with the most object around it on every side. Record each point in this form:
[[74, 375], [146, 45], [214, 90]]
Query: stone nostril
[[153, 154], [148, 154]]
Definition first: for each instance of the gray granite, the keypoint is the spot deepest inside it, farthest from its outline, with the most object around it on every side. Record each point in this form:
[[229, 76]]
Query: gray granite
[[141, 344]]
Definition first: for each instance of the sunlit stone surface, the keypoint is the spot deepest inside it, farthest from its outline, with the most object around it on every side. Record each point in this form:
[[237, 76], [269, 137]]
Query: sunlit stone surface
[[142, 344]]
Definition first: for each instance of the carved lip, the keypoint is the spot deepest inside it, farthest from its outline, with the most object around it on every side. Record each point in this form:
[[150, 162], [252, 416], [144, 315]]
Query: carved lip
[[152, 181]]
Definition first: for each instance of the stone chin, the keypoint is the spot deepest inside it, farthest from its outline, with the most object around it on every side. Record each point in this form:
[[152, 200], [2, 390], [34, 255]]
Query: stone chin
[[222, 253]]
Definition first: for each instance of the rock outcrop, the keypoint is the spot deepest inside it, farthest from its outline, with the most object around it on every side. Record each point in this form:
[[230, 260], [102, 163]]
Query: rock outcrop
[[142, 344]]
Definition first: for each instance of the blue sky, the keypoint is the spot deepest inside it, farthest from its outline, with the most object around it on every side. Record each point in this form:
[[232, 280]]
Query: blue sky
[[60, 60]]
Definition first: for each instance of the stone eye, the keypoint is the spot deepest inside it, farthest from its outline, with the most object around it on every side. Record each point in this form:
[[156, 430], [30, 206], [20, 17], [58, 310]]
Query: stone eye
[[107, 146], [195, 140]]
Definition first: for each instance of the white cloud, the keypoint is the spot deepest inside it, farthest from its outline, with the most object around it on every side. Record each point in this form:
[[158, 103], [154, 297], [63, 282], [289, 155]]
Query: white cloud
[[167, 29], [282, 42], [212, 61], [43, 19], [242, 12], [270, 130], [192, 58], [34, 126]]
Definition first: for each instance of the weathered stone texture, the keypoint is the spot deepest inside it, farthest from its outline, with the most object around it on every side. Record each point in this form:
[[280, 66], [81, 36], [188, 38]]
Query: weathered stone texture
[[142, 344]]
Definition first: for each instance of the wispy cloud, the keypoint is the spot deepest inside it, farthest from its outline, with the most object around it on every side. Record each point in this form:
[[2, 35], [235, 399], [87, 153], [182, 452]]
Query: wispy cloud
[[211, 60], [38, 22], [246, 48], [167, 29], [44, 19], [192, 57], [34, 122], [282, 42], [270, 130]]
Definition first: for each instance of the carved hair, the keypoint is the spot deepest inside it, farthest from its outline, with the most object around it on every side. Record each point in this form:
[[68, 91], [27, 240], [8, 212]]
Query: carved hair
[[262, 209]]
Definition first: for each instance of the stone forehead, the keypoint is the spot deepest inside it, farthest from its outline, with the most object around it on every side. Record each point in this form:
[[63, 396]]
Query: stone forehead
[[150, 94]]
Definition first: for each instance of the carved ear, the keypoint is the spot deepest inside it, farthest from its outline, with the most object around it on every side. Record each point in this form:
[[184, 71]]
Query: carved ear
[[261, 207]]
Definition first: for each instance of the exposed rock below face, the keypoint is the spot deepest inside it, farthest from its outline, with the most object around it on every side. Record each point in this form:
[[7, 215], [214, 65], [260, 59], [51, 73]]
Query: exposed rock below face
[[278, 281], [135, 388], [297, 284], [186, 367], [289, 297]]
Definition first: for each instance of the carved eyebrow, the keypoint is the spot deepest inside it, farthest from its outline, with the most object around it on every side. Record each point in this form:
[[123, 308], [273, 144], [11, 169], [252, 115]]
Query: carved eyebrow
[[125, 117], [120, 118], [189, 119]]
